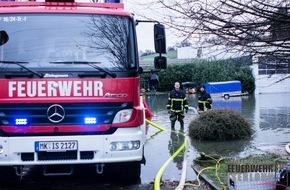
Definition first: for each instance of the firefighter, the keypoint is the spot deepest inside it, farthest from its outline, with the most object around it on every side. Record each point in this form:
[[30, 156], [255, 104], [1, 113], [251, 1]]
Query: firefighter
[[176, 105], [154, 81], [204, 100]]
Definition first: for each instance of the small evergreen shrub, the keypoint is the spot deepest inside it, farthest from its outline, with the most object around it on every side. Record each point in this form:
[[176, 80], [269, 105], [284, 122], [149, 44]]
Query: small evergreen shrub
[[220, 125]]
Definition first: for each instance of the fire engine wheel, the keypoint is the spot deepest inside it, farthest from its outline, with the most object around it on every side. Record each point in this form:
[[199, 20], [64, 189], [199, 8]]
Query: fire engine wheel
[[281, 186], [226, 96], [127, 172], [7, 175], [130, 172]]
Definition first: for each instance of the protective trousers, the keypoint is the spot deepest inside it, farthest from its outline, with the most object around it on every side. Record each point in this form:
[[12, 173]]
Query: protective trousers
[[176, 116]]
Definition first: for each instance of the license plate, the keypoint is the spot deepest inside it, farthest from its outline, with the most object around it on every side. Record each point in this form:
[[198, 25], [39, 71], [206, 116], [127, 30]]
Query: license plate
[[54, 146]]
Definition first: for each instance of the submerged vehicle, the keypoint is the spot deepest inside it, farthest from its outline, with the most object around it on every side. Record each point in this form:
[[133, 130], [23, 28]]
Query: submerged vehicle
[[189, 87], [225, 89]]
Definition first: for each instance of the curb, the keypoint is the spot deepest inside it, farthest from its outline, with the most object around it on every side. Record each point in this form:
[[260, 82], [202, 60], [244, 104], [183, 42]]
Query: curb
[[206, 179]]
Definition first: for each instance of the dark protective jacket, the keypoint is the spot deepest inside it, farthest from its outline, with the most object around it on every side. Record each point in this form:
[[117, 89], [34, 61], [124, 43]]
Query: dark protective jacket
[[177, 101], [204, 101]]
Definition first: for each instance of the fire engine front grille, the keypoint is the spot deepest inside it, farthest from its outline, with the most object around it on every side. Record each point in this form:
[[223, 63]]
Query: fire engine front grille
[[27, 156], [67, 113], [49, 156], [87, 155], [69, 155]]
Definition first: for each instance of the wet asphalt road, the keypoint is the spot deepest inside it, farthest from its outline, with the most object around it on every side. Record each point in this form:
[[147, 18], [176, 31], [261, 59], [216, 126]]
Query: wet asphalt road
[[84, 180], [92, 182], [87, 181]]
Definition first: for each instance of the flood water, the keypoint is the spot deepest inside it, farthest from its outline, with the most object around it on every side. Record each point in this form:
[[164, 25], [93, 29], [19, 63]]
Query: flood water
[[269, 115]]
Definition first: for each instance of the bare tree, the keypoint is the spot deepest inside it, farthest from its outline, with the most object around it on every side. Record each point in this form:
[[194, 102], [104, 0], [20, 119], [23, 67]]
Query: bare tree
[[254, 27], [109, 36]]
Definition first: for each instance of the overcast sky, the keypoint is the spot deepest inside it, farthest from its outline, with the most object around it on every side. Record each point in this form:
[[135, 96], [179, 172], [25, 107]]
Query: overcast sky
[[145, 30]]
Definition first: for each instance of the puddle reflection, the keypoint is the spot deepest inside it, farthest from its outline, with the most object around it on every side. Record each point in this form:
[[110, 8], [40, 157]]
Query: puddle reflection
[[177, 138]]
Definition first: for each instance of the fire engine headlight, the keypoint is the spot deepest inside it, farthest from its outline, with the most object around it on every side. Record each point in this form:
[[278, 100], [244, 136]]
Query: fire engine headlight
[[124, 145], [1, 149], [123, 116]]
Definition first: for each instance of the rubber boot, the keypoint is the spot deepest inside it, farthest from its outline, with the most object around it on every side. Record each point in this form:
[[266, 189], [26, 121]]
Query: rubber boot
[[172, 125], [181, 125]]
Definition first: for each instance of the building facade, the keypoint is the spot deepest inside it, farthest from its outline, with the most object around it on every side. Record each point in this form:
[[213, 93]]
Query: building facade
[[270, 75]]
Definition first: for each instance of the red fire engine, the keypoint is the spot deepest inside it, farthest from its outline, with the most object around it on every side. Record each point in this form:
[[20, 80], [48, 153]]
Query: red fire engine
[[70, 88]]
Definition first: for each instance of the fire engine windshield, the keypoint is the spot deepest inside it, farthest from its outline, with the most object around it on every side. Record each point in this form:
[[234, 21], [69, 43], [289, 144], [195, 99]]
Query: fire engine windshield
[[48, 42]]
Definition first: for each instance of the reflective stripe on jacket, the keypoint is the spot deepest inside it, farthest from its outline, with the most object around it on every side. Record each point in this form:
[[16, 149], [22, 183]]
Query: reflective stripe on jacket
[[204, 105], [177, 101], [204, 101]]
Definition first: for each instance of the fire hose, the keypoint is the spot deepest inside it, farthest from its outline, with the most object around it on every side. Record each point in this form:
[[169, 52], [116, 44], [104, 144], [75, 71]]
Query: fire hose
[[183, 175]]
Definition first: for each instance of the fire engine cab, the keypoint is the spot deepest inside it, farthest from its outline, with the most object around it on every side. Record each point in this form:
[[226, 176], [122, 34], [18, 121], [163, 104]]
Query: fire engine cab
[[70, 88]]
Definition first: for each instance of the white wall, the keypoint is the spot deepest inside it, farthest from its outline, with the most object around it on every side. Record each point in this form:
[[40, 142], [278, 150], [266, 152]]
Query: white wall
[[277, 83], [208, 52], [186, 53]]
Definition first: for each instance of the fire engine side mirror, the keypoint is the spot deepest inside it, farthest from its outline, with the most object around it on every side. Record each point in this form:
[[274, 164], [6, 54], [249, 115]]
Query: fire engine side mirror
[[160, 62], [3, 37], [159, 38]]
